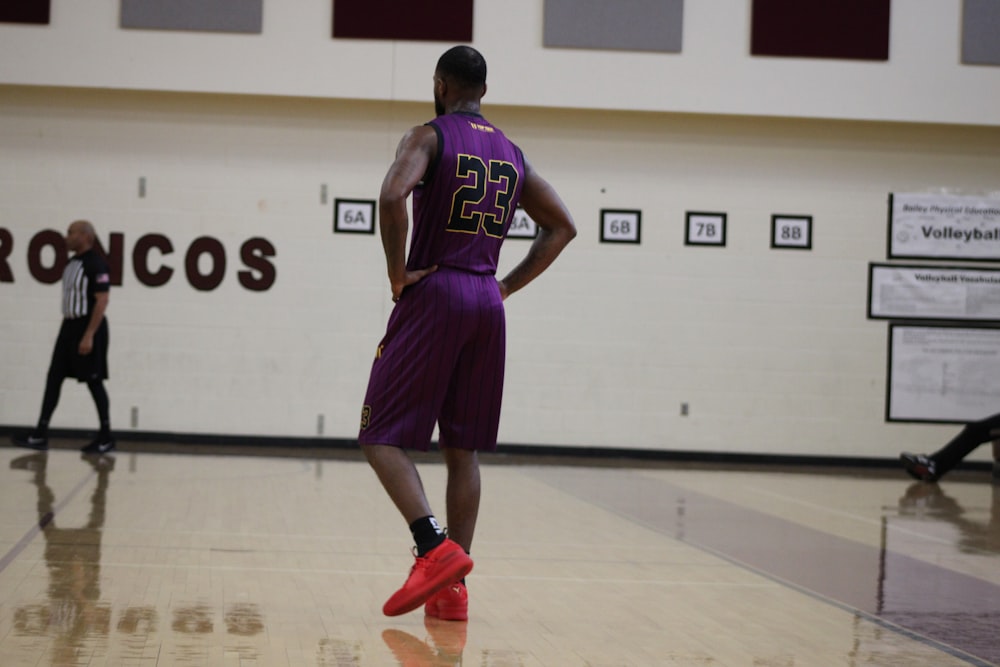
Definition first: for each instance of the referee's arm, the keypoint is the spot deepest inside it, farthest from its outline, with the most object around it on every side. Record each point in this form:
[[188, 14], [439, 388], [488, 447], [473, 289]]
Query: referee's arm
[[100, 305]]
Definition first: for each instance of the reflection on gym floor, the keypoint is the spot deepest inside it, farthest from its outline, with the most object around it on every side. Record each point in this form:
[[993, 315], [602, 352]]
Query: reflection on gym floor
[[71, 610], [150, 558]]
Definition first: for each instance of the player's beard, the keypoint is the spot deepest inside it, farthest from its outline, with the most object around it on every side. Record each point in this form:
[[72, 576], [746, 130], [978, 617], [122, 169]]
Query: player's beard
[[438, 106]]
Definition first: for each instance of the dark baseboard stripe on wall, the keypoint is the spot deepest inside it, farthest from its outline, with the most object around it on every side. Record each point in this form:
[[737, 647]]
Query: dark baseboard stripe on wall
[[191, 443]]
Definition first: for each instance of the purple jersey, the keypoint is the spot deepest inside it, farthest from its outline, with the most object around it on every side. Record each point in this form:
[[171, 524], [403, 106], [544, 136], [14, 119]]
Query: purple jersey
[[463, 208]]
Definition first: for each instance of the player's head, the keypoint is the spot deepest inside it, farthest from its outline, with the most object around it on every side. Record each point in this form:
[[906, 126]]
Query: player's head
[[80, 236], [461, 72]]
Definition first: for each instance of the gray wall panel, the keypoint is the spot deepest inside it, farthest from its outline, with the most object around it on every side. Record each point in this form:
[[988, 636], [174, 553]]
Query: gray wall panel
[[634, 25], [981, 32], [212, 15]]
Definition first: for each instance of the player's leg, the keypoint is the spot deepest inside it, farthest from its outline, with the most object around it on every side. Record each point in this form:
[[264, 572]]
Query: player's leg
[[462, 495], [408, 379], [436, 566], [451, 603], [470, 420], [407, 385], [470, 414], [400, 479]]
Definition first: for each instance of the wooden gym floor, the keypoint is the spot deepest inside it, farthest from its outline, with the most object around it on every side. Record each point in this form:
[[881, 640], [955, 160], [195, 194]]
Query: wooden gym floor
[[283, 558]]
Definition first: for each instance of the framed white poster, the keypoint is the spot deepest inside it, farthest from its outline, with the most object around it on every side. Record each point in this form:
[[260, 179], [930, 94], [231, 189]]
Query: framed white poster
[[937, 226], [912, 292], [791, 231], [942, 373], [354, 216], [620, 226], [702, 228]]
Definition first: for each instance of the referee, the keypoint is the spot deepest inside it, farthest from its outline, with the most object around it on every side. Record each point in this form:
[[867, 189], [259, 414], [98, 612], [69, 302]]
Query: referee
[[81, 350]]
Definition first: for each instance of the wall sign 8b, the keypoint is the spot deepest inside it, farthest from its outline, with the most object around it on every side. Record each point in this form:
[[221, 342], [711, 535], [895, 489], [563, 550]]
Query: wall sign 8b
[[791, 231]]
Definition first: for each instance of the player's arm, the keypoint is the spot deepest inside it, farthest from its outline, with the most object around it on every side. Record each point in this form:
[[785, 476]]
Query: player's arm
[[416, 150], [96, 315], [555, 229]]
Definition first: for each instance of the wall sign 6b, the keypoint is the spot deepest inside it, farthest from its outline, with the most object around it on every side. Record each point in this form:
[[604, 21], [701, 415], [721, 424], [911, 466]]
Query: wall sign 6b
[[620, 226]]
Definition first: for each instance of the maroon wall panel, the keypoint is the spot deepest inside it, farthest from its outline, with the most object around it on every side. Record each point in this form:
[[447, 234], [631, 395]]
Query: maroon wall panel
[[25, 11], [853, 29], [423, 20]]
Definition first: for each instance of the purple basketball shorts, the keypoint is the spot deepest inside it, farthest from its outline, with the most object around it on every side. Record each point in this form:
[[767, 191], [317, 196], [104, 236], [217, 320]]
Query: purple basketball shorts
[[441, 360]]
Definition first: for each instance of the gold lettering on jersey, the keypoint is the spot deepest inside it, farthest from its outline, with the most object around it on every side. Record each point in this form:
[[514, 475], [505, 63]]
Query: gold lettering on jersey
[[366, 415], [480, 127]]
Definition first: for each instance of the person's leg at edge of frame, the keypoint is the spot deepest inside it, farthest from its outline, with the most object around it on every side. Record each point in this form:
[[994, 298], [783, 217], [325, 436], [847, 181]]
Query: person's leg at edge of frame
[[930, 468], [996, 461], [440, 560]]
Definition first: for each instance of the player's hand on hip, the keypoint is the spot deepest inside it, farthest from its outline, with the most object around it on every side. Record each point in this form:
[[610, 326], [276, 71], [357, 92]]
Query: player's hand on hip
[[410, 278]]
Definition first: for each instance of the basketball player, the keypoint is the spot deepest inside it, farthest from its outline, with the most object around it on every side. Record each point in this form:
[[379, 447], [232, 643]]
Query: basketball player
[[81, 349], [931, 468], [442, 357]]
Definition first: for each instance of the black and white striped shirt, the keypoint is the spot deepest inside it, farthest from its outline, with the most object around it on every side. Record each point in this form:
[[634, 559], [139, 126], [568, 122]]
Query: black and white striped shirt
[[85, 275]]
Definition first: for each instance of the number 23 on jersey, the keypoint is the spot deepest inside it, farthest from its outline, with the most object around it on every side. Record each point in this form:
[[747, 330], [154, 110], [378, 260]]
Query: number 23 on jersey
[[485, 201]]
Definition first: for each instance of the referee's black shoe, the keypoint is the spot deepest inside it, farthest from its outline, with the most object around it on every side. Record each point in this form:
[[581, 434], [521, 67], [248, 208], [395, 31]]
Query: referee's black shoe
[[102, 444], [31, 441]]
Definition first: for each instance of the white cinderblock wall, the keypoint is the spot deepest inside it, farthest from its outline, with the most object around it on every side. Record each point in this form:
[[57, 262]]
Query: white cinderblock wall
[[769, 348]]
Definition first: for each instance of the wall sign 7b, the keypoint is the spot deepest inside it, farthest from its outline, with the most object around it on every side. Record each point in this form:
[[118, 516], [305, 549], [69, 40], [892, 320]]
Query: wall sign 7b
[[620, 226], [703, 228]]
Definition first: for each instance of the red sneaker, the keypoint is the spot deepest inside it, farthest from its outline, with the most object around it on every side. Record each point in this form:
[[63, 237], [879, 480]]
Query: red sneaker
[[445, 563], [451, 603]]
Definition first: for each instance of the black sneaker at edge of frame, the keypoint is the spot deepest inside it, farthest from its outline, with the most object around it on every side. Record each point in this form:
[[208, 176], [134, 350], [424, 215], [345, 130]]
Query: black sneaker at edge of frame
[[919, 467]]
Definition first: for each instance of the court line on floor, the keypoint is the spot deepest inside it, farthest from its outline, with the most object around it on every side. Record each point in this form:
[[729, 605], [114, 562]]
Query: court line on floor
[[723, 521], [105, 565], [850, 515]]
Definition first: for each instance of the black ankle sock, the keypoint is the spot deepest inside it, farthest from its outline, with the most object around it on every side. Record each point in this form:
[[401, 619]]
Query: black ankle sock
[[427, 534]]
